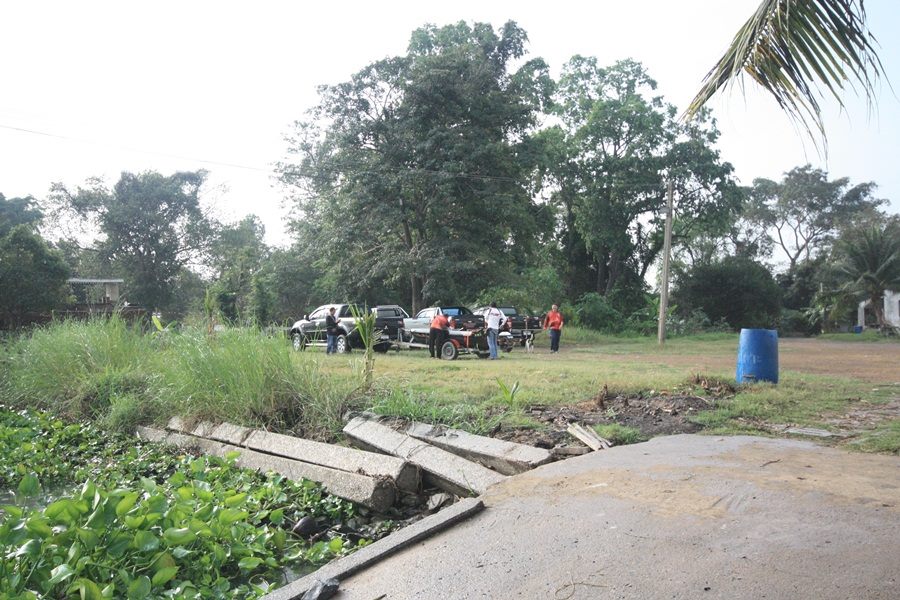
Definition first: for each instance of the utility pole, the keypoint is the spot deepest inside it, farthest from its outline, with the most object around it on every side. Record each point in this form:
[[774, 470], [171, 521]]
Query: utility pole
[[664, 283]]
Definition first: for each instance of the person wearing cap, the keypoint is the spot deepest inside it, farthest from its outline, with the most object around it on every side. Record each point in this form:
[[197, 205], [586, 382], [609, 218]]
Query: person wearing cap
[[554, 322], [493, 321], [437, 334]]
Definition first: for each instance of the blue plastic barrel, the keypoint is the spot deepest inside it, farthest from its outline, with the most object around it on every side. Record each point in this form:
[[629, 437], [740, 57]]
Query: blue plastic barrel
[[757, 356]]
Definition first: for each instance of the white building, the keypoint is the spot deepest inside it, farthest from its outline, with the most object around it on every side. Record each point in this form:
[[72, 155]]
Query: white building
[[891, 309]]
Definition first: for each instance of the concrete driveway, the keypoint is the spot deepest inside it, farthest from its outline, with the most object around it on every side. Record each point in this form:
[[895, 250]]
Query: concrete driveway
[[678, 517]]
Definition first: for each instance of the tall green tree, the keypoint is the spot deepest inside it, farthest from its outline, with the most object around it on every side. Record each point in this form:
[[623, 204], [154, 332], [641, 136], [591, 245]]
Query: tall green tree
[[151, 225], [236, 254], [32, 276], [805, 210], [421, 178], [608, 162], [18, 211]]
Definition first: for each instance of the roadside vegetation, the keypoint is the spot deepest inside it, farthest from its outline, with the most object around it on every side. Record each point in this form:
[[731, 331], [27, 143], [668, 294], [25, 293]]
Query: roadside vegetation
[[118, 376]]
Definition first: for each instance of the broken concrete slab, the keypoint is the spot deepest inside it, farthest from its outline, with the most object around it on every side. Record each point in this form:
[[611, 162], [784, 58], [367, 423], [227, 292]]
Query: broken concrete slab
[[230, 433], [345, 567], [404, 475], [203, 429], [446, 470], [150, 434], [376, 493], [508, 458], [178, 424]]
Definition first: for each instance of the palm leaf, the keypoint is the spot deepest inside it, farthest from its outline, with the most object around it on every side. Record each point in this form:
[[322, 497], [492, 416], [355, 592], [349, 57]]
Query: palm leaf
[[796, 50]]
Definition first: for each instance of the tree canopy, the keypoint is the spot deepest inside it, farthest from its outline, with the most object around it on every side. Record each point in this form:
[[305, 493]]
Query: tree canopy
[[151, 227], [419, 179]]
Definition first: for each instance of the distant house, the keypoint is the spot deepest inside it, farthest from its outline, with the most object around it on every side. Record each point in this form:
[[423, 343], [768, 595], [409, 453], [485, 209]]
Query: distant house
[[97, 295], [891, 309]]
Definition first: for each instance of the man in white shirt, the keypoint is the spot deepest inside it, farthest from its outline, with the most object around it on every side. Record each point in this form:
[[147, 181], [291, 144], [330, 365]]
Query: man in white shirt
[[493, 321]]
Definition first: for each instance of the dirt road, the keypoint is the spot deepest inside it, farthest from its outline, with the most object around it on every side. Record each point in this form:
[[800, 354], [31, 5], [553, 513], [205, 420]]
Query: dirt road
[[871, 362]]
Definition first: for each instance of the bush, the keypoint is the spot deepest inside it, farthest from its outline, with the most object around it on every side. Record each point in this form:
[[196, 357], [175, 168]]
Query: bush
[[736, 289], [594, 311], [797, 322]]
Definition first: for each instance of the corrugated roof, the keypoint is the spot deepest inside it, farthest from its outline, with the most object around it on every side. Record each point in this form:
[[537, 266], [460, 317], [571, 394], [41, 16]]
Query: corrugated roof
[[82, 280]]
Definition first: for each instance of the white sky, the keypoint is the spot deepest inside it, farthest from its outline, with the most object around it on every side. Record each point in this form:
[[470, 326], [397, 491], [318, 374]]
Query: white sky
[[134, 86]]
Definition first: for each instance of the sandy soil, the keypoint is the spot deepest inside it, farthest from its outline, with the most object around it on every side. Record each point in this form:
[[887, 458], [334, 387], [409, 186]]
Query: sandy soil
[[872, 362]]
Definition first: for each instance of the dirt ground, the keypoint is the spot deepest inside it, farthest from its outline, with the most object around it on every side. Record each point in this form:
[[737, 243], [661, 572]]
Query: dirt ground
[[871, 362]]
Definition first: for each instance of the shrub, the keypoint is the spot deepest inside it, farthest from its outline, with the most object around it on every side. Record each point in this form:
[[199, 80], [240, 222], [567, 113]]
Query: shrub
[[736, 289], [595, 312]]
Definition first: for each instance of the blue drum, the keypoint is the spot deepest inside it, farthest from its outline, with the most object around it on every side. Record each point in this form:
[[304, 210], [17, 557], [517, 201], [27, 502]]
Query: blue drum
[[757, 356]]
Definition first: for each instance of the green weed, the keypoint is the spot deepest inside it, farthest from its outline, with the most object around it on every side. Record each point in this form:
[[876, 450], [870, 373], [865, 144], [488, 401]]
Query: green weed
[[620, 435]]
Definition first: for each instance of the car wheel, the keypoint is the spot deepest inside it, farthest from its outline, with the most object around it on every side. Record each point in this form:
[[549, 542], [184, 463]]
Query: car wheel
[[484, 355], [342, 345], [449, 351], [298, 341]]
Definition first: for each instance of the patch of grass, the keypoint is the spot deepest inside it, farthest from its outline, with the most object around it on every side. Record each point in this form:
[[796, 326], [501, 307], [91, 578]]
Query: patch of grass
[[620, 435], [884, 438], [432, 408], [800, 399]]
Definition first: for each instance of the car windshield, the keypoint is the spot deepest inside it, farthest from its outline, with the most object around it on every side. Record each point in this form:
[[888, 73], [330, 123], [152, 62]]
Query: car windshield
[[456, 311], [347, 311]]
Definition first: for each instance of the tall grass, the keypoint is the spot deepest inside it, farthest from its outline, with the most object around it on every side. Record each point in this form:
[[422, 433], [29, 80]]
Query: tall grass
[[108, 370], [76, 368], [244, 376]]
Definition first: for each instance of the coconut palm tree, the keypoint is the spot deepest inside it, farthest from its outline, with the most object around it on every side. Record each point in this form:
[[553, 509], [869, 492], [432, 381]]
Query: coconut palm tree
[[872, 265], [797, 50]]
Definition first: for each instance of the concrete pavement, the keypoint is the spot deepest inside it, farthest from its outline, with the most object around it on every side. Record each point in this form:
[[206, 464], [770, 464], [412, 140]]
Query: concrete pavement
[[677, 517]]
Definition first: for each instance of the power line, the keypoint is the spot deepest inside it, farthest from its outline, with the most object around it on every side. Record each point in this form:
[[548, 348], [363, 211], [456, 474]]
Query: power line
[[337, 168], [130, 149]]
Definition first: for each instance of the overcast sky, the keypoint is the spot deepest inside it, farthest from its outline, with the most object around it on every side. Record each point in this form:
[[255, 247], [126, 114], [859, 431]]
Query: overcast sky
[[134, 86]]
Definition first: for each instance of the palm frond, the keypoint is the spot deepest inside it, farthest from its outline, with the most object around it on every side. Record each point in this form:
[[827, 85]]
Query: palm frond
[[797, 50]]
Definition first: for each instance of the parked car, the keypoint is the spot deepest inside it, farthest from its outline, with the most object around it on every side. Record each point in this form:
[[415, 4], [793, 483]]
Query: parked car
[[310, 330], [518, 323], [462, 318]]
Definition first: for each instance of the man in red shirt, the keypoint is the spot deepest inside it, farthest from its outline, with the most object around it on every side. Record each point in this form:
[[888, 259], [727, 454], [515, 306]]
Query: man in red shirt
[[554, 322], [437, 334]]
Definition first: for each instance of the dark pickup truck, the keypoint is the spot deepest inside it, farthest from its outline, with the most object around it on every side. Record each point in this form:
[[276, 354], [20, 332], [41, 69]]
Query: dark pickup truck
[[518, 323], [310, 330]]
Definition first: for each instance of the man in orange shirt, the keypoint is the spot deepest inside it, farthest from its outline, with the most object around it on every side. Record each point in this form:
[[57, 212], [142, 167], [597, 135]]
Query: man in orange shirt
[[554, 322], [437, 334]]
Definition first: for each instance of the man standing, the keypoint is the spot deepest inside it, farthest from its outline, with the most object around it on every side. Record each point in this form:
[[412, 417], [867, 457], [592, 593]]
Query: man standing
[[437, 334], [331, 331], [493, 320], [554, 322]]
